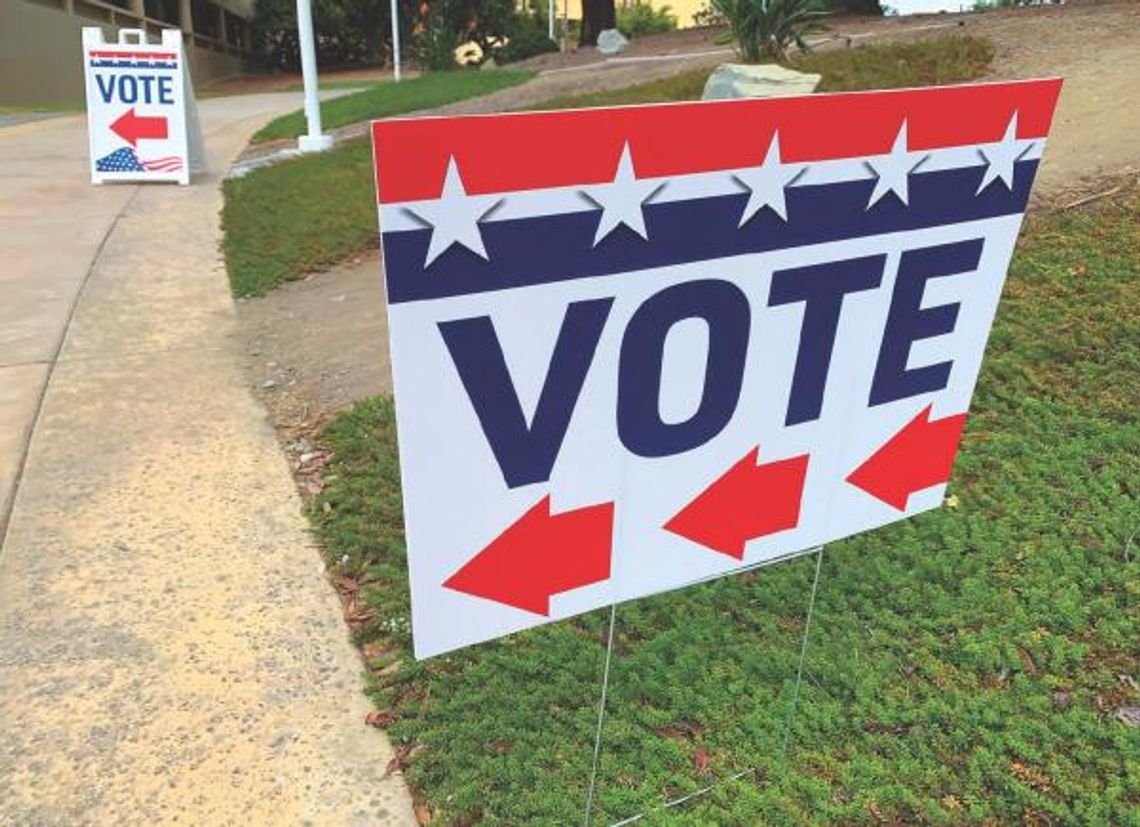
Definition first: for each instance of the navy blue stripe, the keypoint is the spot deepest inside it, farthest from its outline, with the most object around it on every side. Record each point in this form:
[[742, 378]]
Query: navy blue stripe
[[546, 249]]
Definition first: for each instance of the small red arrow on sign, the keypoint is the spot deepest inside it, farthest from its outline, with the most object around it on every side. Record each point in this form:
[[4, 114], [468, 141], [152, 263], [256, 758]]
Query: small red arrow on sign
[[132, 128], [918, 456], [746, 502], [541, 554]]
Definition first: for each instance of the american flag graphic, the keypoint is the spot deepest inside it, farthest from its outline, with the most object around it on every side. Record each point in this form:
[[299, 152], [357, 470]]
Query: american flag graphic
[[125, 160]]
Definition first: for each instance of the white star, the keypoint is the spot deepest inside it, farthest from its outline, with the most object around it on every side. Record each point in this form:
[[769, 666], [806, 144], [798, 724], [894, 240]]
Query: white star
[[621, 200], [1002, 155], [454, 217], [766, 183], [891, 170]]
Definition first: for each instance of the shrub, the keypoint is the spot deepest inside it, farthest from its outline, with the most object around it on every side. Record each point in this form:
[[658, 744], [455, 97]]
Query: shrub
[[442, 26], [346, 32], [527, 36], [767, 29], [870, 7], [642, 19], [706, 15]]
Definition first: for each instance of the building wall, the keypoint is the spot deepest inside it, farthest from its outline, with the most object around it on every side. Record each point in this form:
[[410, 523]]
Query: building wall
[[683, 10], [41, 60]]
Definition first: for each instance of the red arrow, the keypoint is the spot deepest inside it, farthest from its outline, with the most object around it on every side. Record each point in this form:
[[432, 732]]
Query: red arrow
[[917, 457], [539, 555], [131, 127], [746, 502]]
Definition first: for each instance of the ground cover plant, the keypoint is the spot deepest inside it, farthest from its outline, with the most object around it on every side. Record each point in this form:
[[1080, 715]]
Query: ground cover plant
[[385, 99], [276, 230], [931, 61], [977, 664]]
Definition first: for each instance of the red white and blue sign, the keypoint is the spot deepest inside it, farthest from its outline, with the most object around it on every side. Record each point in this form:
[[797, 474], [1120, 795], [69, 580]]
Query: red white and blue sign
[[136, 107], [636, 348]]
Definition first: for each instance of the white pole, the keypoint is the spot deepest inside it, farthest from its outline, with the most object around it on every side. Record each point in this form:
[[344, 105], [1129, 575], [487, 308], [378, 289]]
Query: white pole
[[550, 18], [396, 39], [314, 141]]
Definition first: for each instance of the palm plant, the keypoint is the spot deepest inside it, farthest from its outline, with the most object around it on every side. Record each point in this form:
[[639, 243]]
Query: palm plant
[[767, 29]]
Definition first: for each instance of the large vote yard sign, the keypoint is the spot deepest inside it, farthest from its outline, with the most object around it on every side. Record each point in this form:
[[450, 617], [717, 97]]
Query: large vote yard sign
[[140, 108], [636, 348]]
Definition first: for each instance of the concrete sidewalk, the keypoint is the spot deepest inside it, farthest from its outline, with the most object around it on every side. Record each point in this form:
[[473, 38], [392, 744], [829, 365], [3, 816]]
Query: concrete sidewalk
[[170, 649]]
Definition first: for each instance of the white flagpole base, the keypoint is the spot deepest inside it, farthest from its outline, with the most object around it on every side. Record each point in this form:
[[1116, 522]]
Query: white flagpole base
[[314, 143]]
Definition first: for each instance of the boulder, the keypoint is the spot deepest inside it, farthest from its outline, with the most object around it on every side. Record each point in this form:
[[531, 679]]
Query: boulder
[[765, 80], [611, 41]]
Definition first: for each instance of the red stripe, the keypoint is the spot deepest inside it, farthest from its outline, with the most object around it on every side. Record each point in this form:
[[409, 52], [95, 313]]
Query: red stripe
[[502, 153], [150, 55]]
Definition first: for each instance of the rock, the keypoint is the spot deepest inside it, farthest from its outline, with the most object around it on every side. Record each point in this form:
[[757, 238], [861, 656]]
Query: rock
[[489, 63], [766, 80], [611, 41], [269, 384]]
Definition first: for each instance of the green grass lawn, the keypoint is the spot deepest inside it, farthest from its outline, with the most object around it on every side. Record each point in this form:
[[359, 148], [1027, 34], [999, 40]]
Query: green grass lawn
[[965, 667], [306, 215], [386, 99], [298, 217]]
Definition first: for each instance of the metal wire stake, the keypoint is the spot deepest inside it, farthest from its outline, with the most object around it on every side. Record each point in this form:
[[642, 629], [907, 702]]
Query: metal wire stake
[[601, 717], [803, 657]]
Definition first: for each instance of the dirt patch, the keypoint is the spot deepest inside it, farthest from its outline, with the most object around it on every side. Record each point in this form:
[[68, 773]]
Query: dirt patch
[[317, 345], [1095, 47]]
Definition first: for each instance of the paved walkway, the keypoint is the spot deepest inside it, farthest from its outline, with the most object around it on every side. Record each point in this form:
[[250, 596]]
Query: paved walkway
[[170, 649]]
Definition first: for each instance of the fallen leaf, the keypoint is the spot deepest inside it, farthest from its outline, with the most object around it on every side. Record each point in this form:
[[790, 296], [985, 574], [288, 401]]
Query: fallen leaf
[[1062, 700], [402, 757], [681, 731], [701, 761], [1031, 776], [423, 814], [375, 649], [379, 718]]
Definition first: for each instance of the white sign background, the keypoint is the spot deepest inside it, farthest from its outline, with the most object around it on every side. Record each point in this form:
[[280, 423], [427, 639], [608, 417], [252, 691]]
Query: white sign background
[[166, 158], [455, 498]]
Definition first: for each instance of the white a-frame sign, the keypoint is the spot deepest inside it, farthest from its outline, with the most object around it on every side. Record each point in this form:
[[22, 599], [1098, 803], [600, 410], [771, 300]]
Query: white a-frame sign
[[142, 122]]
